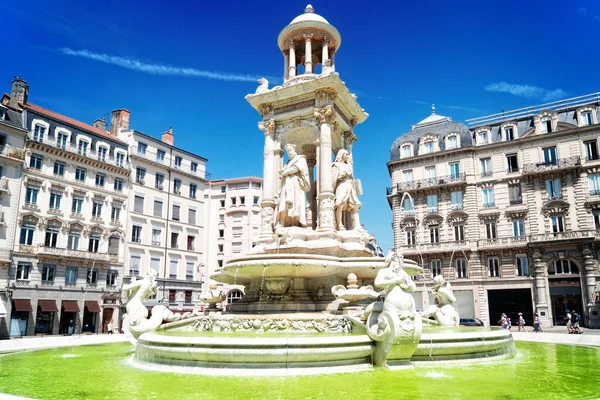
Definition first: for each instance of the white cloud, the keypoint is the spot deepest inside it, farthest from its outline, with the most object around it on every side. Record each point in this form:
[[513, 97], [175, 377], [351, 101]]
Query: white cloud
[[527, 91], [582, 10], [157, 69]]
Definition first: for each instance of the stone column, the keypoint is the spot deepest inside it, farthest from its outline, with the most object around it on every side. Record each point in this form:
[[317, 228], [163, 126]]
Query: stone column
[[326, 221], [590, 277], [325, 53], [308, 53], [310, 152], [332, 60], [292, 61], [268, 198], [286, 65], [541, 305], [349, 140]]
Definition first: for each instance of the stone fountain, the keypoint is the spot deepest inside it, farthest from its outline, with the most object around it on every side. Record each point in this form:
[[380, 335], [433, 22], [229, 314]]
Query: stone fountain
[[297, 315]]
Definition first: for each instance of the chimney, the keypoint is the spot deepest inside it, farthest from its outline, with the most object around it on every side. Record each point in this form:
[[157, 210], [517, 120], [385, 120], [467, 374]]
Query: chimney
[[168, 137], [119, 121], [100, 123], [19, 92]]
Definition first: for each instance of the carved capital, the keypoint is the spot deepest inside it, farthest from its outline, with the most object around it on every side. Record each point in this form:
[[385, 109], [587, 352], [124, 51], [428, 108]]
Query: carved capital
[[268, 126], [308, 36], [265, 109], [325, 115], [325, 96], [349, 137], [326, 40]]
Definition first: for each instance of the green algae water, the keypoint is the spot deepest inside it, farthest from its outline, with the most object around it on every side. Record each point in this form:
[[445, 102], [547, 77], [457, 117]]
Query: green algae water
[[539, 371]]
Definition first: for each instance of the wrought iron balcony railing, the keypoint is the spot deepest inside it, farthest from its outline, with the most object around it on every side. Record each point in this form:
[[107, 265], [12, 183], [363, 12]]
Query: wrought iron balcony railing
[[427, 183], [562, 163]]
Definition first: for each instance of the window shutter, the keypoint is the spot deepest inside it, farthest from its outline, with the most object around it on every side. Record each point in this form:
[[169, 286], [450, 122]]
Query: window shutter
[[113, 245], [176, 212], [158, 206], [192, 217], [139, 204]]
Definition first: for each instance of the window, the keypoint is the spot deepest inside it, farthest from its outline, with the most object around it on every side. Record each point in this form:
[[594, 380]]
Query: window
[[546, 124], [553, 189], [434, 234], [173, 270], [141, 149], [454, 171], [220, 248], [55, 198], [80, 174], [508, 133], [521, 266], [436, 268], [175, 214], [188, 294], [138, 204], [430, 173], [550, 156], [236, 247], [452, 142], [221, 233], [36, 161], [71, 276], [118, 185], [189, 274], [456, 198], [73, 241], [406, 151], [102, 153], [486, 166], [194, 167], [255, 200], [23, 271], [428, 147], [222, 203], [594, 181], [177, 186], [48, 273], [172, 296], [432, 203], [488, 197], [59, 168], [134, 266], [136, 233], [156, 235], [490, 230], [409, 207], [459, 233], [591, 150], [94, 242], [557, 223], [31, 195], [518, 228], [100, 178], [493, 267], [92, 277], [160, 156], [220, 263], [155, 264], [560, 267], [178, 160], [190, 243], [191, 216], [159, 181], [597, 220], [461, 267], [97, 209], [512, 163], [174, 240], [407, 176], [193, 189], [242, 200], [38, 132], [158, 207], [61, 140], [51, 236], [113, 244], [234, 295], [233, 201], [223, 189], [140, 175], [76, 205], [120, 159], [482, 137], [27, 231], [82, 148], [410, 237], [514, 194], [586, 118], [111, 278], [115, 213]]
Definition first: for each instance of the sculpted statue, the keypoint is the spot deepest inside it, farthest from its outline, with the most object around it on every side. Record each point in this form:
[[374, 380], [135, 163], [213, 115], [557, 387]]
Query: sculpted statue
[[264, 86], [327, 69], [291, 208], [346, 196], [395, 320], [443, 312], [215, 294]]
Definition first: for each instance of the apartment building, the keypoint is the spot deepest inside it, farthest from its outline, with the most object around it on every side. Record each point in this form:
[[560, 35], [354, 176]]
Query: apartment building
[[233, 221], [166, 227], [67, 263], [506, 207]]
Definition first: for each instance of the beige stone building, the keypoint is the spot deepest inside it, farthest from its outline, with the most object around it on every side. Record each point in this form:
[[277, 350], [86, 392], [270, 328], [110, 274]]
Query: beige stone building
[[507, 208]]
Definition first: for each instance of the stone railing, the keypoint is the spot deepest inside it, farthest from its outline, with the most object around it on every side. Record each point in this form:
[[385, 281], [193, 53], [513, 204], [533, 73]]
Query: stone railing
[[432, 247], [86, 255], [12, 152], [562, 163], [503, 241], [544, 237], [427, 183]]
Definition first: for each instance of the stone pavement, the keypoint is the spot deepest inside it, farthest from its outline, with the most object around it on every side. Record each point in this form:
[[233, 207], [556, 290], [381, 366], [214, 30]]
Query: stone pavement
[[51, 342], [559, 335]]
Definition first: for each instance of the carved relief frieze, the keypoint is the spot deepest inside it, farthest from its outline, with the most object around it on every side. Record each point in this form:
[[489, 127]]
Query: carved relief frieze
[[294, 107]]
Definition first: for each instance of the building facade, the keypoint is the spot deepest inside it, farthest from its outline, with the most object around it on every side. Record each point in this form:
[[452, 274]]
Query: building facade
[[506, 209], [166, 227], [67, 260], [233, 221]]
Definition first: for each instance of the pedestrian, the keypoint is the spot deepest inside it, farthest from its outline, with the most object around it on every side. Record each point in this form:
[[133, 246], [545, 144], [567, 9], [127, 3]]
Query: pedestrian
[[521, 323], [537, 324], [503, 322], [569, 323], [575, 318], [509, 323], [110, 327]]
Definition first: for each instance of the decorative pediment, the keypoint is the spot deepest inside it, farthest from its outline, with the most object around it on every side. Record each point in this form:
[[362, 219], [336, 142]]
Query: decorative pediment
[[516, 214], [433, 219], [489, 217], [513, 181], [458, 217], [54, 222], [77, 192], [554, 207], [408, 222], [485, 185], [29, 218], [34, 182], [57, 187], [76, 226]]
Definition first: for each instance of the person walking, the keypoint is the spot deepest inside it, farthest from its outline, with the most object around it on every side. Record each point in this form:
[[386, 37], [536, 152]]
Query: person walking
[[537, 324], [521, 323], [503, 321], [575, 319], [569, 323], [110, 328]]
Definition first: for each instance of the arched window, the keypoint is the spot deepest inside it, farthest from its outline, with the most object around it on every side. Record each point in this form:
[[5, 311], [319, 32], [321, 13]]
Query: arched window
[[234, 296], [561, 267]]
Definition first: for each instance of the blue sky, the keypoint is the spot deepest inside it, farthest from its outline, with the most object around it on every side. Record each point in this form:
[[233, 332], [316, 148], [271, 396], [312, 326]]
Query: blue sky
[[189, 65]]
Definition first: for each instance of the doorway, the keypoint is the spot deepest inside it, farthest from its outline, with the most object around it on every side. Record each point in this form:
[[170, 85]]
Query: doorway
[[511, 302], [107, 317]]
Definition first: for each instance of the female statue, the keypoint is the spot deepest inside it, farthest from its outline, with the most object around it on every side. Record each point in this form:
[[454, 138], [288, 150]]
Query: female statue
[[291, 210], [346, 197]]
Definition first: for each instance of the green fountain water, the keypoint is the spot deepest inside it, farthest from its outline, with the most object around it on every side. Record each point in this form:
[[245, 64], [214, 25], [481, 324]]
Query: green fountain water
[[539, 371]]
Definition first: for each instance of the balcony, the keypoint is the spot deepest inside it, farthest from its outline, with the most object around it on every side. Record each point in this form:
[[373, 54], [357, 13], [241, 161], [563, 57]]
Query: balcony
[[557, 196], [595, 192], [560, 164], [65, 253], [432, 210], [31, 207], [435, 247], [515, 202], [489, 204], [487, 174], [568, 235], [12, 152], [54, 211], [512, 170], [455, 207], [114, 222], [4, 185], [414, 186], [502, 242], [409, 213], [155, 243]]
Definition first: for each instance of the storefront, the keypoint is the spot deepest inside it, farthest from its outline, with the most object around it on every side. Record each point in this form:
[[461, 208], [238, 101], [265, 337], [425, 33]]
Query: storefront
[[90, 316], [44, 320], [68, 317], [19, 317]]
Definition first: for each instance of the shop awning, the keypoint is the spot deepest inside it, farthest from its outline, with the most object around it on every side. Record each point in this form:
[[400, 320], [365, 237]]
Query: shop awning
[[48, 305], [22, 305], [92, 306], [70, 305]]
